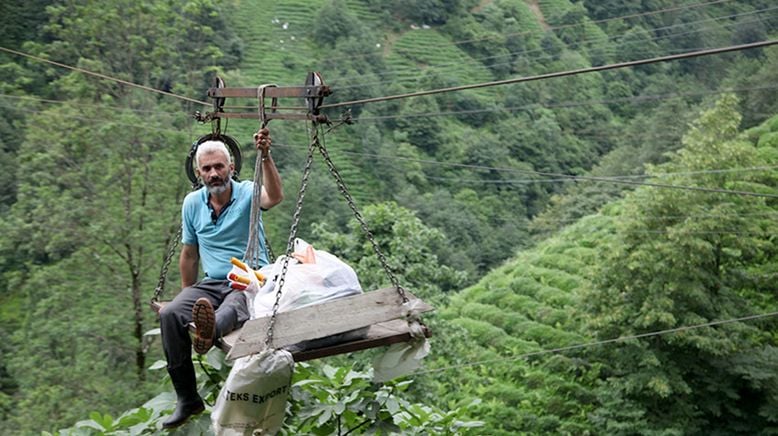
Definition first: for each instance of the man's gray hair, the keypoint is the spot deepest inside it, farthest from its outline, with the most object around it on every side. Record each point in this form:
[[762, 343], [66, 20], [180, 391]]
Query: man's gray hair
[[208, 147]]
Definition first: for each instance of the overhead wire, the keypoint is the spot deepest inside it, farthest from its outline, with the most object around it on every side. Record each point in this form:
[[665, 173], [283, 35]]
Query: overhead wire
[[554, 28], [584, 345], [558, 180], [567, 104], [669, 186], [576, 178], [95, 105], [487, 84], [103, 76], [397, 71], [207, 104], [567, 73], [533, 106], [496, 83], [599, 21], [563, 177], [432, 46], [390, 159], [693, 216], [97, 120], [701, 232], [635, 98]]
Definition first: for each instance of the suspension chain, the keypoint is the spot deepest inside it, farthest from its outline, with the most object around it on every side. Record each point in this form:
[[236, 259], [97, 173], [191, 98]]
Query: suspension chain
[[292, 234], [165, 265], [271, 257], [350, 200]]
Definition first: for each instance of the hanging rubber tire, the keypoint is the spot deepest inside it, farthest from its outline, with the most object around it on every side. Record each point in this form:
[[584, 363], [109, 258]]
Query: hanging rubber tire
[[229, 141]]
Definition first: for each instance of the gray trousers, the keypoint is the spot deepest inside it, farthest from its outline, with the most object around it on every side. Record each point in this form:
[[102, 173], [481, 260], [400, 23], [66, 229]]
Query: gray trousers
[[174, 318]]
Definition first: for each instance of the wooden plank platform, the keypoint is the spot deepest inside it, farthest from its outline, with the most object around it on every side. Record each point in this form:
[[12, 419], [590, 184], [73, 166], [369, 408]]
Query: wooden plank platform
[[378, 311], [324, 320]]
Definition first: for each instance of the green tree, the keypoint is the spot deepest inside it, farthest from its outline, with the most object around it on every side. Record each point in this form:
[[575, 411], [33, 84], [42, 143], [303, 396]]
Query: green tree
[[425, 11], [86, 247], [685, 258], [334, 21], [84, 241]]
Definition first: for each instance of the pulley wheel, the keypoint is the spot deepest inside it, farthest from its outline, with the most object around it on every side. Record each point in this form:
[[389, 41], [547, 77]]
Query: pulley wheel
[[313, 103]]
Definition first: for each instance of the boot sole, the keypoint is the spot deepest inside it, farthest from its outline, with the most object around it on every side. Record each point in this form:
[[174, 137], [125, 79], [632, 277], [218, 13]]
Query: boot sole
[[204, 320]]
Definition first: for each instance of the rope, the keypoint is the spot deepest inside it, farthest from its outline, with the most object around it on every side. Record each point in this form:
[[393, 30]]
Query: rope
[[254, 246], [559, 73]]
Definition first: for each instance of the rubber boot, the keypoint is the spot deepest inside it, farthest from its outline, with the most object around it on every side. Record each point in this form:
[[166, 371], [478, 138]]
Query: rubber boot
[[189, 402]]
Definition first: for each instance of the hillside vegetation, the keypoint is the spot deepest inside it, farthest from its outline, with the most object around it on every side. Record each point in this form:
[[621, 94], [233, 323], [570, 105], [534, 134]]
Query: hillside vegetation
[[516, 209]]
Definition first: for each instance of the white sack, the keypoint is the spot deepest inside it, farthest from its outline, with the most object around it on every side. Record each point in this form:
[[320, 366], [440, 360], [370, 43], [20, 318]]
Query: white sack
[[253, 399]]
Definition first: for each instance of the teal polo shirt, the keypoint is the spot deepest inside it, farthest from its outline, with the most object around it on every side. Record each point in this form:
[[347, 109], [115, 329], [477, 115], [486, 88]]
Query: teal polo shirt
[[223, 237]]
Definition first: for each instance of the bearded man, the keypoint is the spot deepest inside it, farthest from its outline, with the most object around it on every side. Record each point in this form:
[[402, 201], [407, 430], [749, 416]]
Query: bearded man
[[215, 228]]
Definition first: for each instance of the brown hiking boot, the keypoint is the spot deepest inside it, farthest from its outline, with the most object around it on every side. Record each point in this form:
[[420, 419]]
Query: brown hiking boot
[[204, 320]]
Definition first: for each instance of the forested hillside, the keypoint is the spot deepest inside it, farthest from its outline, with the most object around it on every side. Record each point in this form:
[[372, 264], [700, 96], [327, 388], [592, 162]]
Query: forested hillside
[[601, 247]]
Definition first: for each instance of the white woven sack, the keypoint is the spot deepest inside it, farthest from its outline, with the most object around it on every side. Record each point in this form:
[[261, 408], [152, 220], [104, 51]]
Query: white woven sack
[[253, 400]]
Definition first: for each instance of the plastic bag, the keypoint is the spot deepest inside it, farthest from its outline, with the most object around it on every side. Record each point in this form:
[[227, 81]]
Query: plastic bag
[[403, 358], [400, 359], [305, 284], [253, 399]]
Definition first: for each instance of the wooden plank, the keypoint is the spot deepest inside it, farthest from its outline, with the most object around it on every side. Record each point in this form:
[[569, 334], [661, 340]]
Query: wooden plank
[[379, 335], [323, 320]]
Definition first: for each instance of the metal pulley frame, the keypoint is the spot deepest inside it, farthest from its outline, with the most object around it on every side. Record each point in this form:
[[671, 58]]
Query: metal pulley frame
[[313, 93]]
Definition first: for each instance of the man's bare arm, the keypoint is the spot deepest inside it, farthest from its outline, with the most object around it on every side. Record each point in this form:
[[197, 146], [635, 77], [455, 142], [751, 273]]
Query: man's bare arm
[[272, 191], [187, 264]]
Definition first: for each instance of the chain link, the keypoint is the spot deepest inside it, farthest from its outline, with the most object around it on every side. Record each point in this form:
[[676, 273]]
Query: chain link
[[350, 200], [271, 257], [172, 247], [292, 235], [165, 266]]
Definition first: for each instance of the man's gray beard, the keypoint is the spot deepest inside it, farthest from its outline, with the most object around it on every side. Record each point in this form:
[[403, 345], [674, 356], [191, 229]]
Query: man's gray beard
[[217, 189]]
